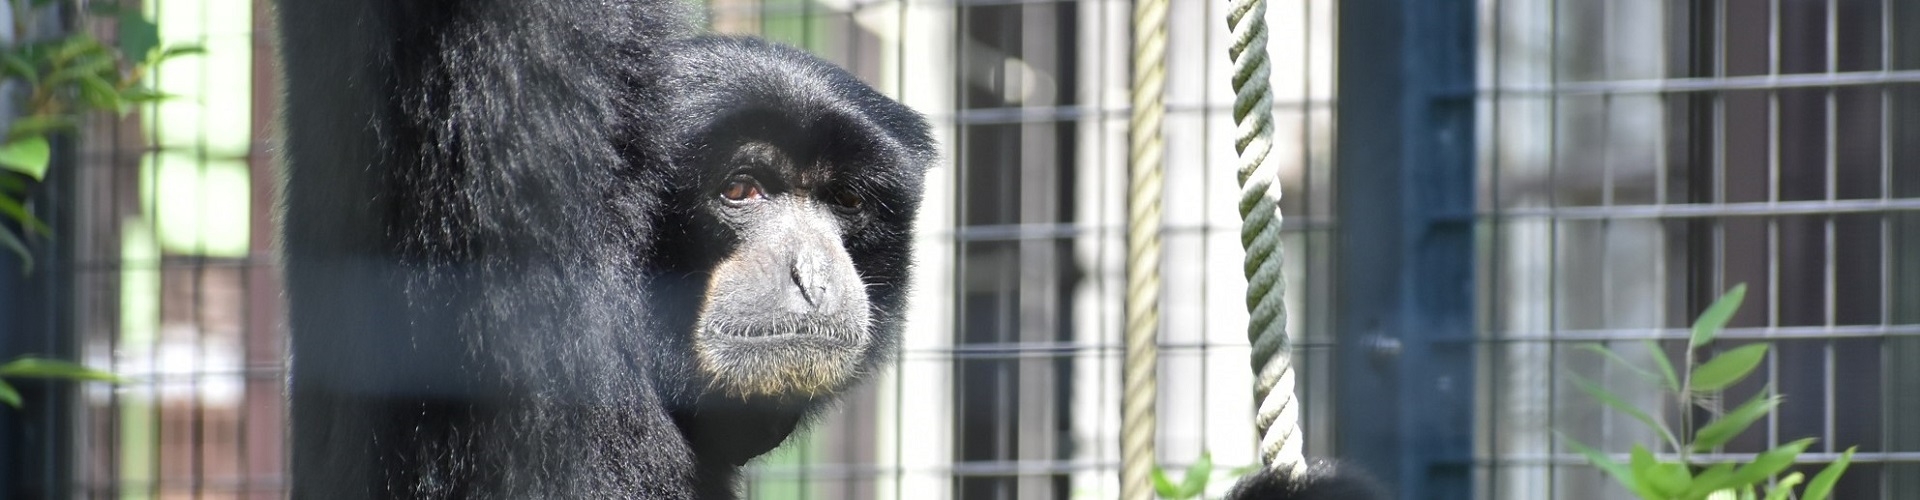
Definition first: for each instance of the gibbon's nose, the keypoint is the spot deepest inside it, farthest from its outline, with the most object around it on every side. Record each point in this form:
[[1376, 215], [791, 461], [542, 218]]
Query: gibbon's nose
[[806, 291], [820, 275]]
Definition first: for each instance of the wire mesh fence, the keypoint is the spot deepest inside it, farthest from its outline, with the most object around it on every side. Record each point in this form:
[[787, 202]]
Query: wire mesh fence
[[1639, 157], [1634, 158]]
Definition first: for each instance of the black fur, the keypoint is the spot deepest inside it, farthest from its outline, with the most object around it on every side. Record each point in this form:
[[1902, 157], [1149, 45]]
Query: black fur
[[494, 249], [1321, 481]]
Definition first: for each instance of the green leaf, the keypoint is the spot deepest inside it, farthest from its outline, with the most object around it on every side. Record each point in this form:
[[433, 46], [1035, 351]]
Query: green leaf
[[27, 155], [1715, 317], [55, 369], [140, 95], [1619, 472], [137, 35], [16, 65], [96, 64], [1661, 479], [13, 242], [1768, 463], [1600, 394], [75, 46], [1640, 459], [1785, 487], [9, 396], [1727, 368], [180, 50], [1822, 484], [1195, 482], [18, 212], [1163, 486], [1712, 480], [1734, 422], [99, 93], [1668, 479], [40, 125], [1618, 360], [1665, 365]]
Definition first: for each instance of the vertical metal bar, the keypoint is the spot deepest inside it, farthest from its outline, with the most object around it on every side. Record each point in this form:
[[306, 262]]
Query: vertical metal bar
[[1886, 165], [109, 483], [900, 369], [961, 31], [1404, 143], [35, 440], [1830, 269], [1303, 372], [156, 410], [1773, 223], [197, 431], [1495, 227], [1827, 402], [1716, 252], [1553, 225], [1206, 200], [1104, 395], [1904, 268]]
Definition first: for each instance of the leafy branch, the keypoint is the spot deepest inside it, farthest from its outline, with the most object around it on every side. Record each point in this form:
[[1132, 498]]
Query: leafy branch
[[31, 367], [1654, 478], [66, 78], [1194, 482]]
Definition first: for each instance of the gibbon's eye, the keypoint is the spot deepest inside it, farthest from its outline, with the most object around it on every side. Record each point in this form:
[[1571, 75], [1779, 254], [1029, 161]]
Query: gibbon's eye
[[742, 188], [848, 199]]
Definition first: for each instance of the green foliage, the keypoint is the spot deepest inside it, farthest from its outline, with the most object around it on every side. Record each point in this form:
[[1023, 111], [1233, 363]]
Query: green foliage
[[1727, 368], [1680, 477], [66, 79], [31, 367], [1194, 482]]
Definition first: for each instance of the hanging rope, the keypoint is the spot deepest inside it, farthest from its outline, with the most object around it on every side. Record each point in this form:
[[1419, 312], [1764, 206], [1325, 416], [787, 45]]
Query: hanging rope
[[1278, 418], [1143, 251]]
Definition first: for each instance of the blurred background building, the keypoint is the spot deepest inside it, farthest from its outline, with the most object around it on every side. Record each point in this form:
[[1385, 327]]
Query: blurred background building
[[1497, 183]]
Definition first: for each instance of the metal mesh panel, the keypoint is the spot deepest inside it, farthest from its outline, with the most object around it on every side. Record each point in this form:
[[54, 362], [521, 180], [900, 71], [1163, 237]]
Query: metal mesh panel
[[1639, 157], [1636, 157], [1009, 380], [175, 284]]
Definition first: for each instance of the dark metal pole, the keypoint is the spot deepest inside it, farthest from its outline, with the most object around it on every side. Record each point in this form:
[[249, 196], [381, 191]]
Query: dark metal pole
[[1404, 259]]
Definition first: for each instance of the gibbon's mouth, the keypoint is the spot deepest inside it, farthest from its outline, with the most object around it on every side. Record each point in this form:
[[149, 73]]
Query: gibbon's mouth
[[846, 327], [783, 341], [753, 363], [809, 337]]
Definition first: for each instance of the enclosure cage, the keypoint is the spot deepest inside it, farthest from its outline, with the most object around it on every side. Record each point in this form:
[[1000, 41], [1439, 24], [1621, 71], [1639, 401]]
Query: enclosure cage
[[1498, 183]]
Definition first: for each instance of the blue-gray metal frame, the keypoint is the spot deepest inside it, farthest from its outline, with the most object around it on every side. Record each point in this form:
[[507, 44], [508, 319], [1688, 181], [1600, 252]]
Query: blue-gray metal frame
[[1404, 251], [36, 440]]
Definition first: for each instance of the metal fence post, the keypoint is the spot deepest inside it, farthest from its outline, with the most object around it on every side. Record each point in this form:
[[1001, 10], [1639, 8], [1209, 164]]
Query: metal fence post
[[1404, 254]]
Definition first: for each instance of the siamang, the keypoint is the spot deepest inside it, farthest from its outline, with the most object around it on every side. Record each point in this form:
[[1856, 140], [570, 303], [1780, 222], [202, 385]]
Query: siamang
[[574, 249]]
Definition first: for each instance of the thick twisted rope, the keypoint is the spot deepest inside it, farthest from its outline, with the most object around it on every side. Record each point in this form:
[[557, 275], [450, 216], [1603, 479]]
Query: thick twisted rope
[[1143, 250], [1278, 417]]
